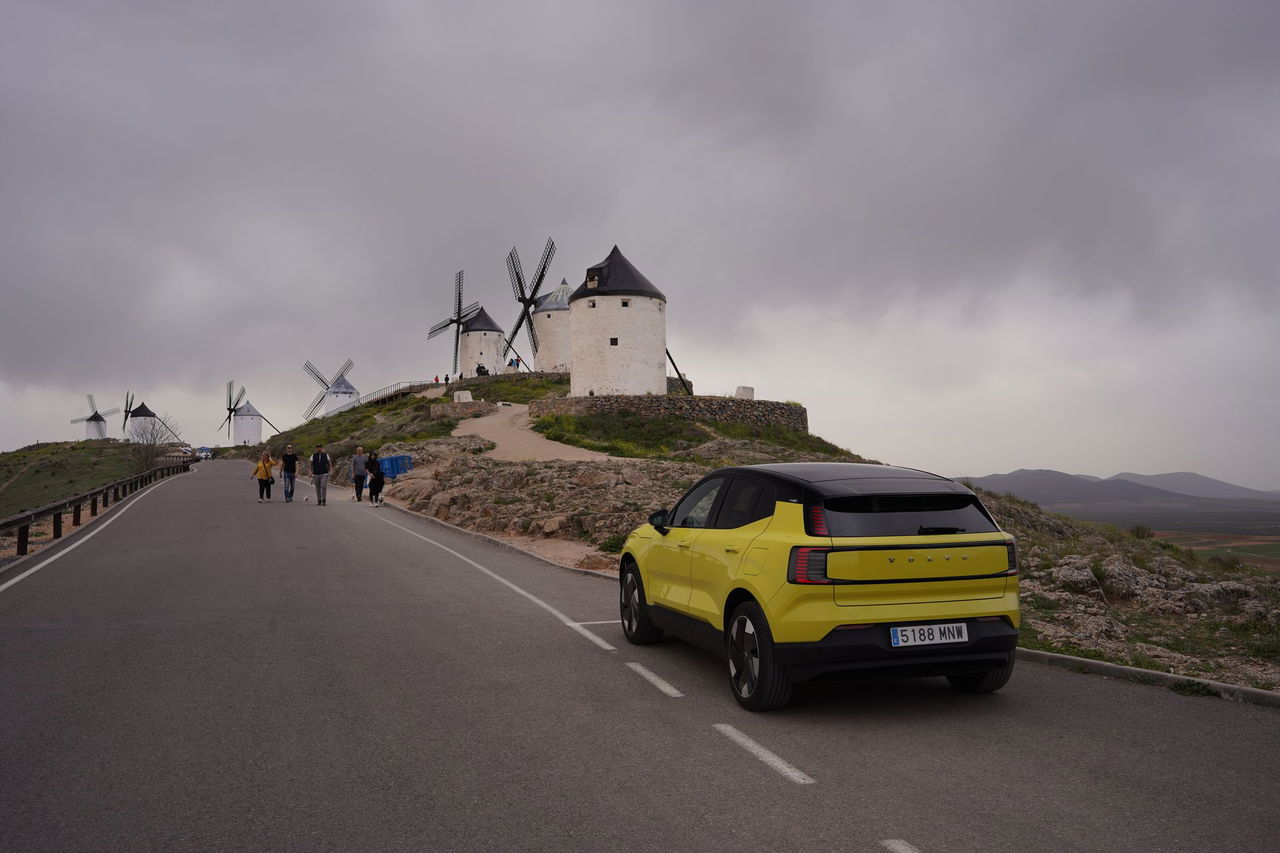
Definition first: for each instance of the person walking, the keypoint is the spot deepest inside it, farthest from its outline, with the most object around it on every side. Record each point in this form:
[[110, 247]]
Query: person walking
[[358, 471], [288, 471], [321, 466], [376, 479], [262, 471]]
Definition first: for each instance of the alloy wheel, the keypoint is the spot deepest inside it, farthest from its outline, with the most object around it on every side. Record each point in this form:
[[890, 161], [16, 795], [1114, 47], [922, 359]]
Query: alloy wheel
[[630, 604], [744, 657]]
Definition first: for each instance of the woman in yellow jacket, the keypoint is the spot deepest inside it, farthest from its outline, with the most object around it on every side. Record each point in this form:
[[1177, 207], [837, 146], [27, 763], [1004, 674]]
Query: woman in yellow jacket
[[262, 471]]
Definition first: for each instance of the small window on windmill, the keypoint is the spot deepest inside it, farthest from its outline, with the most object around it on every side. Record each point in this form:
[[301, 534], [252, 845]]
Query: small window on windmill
[[613, 342], [593, 282], [626, 303], [591, 303]]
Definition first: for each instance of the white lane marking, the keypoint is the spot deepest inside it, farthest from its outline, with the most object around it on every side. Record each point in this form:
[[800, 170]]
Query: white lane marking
[[603, 622], [897, 845], [92, 532], [763, 754], [655, 679], [500, 579]]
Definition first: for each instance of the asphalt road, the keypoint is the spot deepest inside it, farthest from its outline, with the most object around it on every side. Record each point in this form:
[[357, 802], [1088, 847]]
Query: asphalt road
[[203, 672]]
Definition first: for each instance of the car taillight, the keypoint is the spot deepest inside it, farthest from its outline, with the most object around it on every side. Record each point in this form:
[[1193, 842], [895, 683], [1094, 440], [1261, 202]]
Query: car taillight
[[808, 565], [818, 521], [1013, 558]]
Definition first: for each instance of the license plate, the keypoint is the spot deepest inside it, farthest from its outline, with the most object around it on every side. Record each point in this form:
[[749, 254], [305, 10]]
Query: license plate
[[928, 635]]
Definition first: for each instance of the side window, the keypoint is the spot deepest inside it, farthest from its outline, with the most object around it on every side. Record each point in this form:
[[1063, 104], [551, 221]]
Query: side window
[[695, 508], [745, 502]]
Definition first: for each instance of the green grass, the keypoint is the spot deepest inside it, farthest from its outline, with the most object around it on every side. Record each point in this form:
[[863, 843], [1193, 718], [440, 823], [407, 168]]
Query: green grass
[[518, 388], [371, 425], [623, 433], [41, 474], [789, 438]]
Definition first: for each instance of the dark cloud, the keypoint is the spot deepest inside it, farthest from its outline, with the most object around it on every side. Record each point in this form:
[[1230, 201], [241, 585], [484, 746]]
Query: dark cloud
[[195, 191]]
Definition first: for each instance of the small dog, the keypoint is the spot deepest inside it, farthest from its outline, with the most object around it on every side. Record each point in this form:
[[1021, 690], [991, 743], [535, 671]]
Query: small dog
[[306, 500]]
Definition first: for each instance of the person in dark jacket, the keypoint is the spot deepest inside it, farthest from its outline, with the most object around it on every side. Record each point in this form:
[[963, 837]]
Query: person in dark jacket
[[288, 471], [376, 479], [321, 467]]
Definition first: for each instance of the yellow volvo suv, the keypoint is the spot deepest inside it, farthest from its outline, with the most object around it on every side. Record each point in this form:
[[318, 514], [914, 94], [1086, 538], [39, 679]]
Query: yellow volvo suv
[[803, 570]]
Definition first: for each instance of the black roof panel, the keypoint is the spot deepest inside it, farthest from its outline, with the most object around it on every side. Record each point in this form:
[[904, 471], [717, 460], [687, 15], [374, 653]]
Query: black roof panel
[[832, 479], [616, 276]]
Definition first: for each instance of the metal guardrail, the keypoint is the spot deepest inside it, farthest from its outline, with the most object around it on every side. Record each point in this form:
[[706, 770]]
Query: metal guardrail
[[397, 390], [116, 491]]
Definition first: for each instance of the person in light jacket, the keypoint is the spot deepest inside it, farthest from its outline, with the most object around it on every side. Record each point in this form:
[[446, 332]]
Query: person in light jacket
[[262, 472], [358, 471]]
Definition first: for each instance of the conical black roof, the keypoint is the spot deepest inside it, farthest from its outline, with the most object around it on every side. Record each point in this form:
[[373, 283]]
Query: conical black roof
[[481, 322], [615, 276], [141, 411]]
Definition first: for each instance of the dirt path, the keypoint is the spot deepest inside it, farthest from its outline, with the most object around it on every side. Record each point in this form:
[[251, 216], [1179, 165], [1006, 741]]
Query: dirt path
[[508, 428]]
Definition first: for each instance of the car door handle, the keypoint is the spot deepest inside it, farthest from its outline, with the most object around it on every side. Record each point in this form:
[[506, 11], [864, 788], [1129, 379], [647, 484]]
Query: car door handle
[[731, 550], [682, 544]]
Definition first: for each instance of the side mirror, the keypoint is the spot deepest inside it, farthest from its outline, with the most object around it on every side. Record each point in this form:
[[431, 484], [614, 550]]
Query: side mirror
[[659, 521]]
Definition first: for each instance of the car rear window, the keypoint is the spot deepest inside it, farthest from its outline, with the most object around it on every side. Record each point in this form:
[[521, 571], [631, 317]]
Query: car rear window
[[906, 515]]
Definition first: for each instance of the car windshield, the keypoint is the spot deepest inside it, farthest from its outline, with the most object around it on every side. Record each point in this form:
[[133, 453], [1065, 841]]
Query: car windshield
[[906, 515]]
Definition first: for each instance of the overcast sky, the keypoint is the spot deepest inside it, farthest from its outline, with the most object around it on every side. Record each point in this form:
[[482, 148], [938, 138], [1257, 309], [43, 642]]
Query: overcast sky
[[969, 237]]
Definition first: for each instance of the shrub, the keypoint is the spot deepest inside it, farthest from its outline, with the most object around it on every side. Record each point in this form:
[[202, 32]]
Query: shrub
[[1140, 531]]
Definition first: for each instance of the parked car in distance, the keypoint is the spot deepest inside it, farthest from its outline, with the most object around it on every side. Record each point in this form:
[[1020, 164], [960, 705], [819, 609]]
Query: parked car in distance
[[798, 571]]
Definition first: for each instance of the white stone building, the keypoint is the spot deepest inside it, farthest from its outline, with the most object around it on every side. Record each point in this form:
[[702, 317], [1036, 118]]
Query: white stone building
[[618, 332], [246, 425], [550, 318], [480, 343]]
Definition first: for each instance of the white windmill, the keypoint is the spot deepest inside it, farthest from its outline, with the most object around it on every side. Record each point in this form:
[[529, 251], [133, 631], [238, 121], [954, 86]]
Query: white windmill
[[95, 423], [337, 392], [147, 424], [618, 329], [528, 298], [246, 420]]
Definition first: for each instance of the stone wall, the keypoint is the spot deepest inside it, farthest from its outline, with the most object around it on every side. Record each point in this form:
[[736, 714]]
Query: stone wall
[[462, 410], [754, 412]]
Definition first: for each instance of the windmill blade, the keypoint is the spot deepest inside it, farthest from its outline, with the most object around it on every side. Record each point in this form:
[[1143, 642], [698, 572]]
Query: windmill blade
[[93, 406], [110, 412], [100, 428], [457, 294], [342, 371], [226, 422], [470, 311], [533, 340], [524, 315], [315, 404], [457, 342], [269, 423], [169, 428], [547, 254], [239, 399], [315, 374], [516, 274], [438, 328], [230, 384], [81, 420]]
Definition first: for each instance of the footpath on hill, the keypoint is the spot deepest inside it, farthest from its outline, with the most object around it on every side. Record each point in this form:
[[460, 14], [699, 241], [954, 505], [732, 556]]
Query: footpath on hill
[[513, 440]]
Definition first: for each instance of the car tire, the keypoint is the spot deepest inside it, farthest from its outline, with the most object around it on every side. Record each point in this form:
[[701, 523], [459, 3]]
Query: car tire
[[636, 624], [758, 680], [983, 682]]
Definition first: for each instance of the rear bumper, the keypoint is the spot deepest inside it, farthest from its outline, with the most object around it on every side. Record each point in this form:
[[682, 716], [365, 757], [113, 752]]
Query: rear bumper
[[868, 650]]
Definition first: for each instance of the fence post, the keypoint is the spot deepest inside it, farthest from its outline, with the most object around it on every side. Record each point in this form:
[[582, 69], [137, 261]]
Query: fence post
[[23, 533], [57, 525], [75, 515], [93, 506]]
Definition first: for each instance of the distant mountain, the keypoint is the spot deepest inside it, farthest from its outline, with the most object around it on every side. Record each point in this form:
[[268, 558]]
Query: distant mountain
[[1054, 488], [1125, 502], [1196, 485]]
